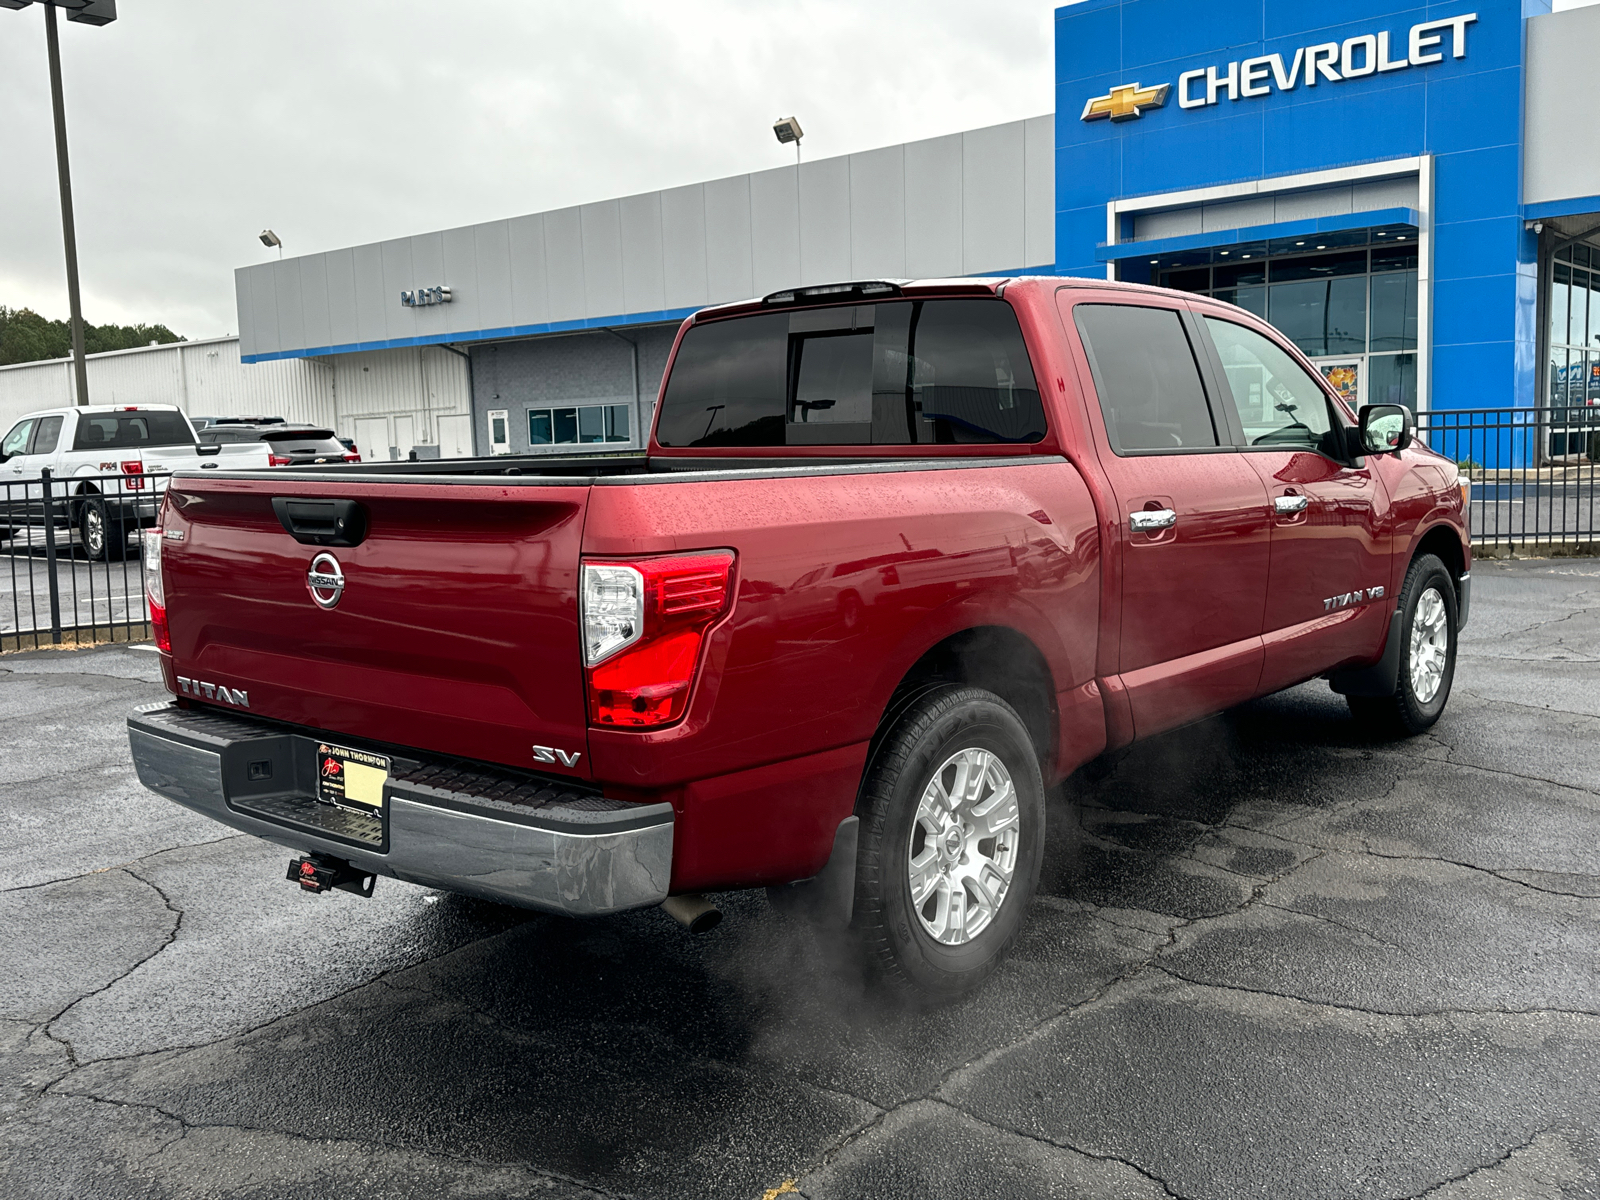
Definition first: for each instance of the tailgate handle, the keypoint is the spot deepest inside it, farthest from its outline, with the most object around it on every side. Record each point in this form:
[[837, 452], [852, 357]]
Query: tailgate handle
[[321, 522]]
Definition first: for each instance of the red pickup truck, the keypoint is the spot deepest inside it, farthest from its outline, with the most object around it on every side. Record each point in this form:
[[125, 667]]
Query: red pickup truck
[[900, 557]]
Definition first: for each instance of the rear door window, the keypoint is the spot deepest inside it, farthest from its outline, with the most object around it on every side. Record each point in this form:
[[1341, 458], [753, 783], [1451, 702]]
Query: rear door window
[[923, 372], [130, 430], [1147, 379]]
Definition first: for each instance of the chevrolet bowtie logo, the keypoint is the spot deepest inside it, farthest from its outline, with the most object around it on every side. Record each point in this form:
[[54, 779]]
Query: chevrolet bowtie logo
[[1125, 102]]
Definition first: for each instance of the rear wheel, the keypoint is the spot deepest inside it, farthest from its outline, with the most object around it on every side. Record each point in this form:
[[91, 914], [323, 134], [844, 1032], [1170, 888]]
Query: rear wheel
[[952, 836], [1427, 656], [103, 536]]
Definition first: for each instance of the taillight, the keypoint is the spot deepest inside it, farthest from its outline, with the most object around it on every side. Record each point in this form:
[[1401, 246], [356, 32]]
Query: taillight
[[351, 456], [278, 460], [132, 469], [643, 624], [155, 590]]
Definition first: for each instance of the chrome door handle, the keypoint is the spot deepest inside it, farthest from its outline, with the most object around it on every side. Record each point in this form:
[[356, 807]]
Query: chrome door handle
[[1152, 519], [1287, 505]]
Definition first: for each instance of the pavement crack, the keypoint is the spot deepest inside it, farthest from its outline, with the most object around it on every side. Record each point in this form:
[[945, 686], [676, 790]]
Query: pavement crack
[[123, 866], [1168, 970], [1480, 1168], [1362, 933], [177, 923]]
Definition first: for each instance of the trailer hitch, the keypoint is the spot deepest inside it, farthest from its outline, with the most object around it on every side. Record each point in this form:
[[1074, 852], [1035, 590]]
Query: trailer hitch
[[319, 872]]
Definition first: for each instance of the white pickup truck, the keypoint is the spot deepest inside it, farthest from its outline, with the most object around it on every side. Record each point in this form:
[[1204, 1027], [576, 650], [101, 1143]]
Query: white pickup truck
[[108, 470]]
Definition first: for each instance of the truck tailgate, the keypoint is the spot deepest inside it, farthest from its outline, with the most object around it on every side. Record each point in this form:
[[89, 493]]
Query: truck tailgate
[[456, 630]]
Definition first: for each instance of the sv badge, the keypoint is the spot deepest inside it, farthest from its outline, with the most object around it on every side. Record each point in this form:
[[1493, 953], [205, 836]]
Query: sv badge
[[549, 754]]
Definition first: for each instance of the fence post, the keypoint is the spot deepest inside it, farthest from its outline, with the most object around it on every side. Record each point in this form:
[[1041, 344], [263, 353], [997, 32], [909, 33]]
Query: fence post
[[50, 557]]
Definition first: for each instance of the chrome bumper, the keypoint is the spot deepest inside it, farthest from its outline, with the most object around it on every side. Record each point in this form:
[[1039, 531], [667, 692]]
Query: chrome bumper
[[544, 845]]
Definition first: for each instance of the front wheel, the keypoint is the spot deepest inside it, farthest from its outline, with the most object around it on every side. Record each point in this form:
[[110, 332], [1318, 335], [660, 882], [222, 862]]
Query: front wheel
[[1427, 655], [952, 836]]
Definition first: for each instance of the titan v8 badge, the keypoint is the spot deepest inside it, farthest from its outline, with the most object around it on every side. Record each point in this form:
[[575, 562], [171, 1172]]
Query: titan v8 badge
[[1359, 596]]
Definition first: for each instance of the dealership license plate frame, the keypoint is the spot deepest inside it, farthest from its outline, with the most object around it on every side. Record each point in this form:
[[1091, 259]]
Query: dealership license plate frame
[[359, 784]]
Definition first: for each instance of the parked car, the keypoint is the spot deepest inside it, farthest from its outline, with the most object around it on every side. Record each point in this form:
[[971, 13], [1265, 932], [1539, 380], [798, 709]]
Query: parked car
[[100, 458], [288, 445], [900, 556]]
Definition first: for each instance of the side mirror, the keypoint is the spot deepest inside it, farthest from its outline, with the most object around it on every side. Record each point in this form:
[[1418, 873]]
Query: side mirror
[[1386, 428]]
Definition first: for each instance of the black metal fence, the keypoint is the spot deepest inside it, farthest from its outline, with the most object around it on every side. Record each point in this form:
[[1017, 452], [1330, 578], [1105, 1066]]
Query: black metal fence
[[72, 570], [1535, 471]]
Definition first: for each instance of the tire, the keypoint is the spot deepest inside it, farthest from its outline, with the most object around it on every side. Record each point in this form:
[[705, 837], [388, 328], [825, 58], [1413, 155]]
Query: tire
[[1427, 658], [944, 947], [104, 538]]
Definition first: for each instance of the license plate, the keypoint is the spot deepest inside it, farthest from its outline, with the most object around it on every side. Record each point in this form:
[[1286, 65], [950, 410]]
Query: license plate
[[351, 779]]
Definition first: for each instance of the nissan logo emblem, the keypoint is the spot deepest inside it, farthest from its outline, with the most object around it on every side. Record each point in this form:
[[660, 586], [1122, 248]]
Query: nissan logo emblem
[[326, 580]]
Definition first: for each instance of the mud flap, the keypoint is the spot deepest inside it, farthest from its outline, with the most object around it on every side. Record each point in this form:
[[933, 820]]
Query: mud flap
[[828, 898], [1379, 679]]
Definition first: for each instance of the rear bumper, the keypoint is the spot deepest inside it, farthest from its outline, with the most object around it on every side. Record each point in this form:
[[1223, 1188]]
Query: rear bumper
[[513, 839]]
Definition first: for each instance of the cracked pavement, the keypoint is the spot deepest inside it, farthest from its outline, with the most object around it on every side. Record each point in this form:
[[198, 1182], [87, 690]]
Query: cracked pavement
[[1268, 959]]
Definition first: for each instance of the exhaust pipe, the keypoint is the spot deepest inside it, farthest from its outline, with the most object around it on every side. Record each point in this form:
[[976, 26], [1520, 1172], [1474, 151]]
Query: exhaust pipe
[[695, 913]]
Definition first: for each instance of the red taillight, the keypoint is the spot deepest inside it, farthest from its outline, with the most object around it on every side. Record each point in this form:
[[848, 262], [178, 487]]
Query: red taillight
[[278, 460], [155, 590], [644, 622], [130, 469], [351, 456]]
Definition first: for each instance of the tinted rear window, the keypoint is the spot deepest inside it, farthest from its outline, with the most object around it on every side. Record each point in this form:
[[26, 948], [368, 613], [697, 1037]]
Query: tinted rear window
[[113, 431], [897, 373], [303, 441]]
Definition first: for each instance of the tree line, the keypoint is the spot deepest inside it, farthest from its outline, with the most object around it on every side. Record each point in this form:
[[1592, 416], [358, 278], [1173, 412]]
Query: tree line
[[25, 336]]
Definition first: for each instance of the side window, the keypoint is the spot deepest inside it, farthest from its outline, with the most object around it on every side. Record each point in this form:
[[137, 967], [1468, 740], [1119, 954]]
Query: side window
[[17, 440], [46, 436], [1279, 403], [1147, 378]]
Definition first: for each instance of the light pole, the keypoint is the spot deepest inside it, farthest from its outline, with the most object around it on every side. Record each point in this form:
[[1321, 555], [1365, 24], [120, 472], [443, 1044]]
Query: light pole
[[90, 12], [270, 239], [788, 130]]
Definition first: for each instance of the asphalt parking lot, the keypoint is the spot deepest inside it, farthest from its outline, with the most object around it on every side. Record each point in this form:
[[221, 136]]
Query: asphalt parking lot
[[1279, 962]]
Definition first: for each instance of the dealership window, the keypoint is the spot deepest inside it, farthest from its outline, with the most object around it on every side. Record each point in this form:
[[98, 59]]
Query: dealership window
[[1574, 368], [1348, 300], [578, 424]]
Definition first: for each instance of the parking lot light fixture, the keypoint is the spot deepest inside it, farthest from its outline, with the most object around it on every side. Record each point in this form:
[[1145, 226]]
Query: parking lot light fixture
[[788, 130], [270, 239], [87, 12]]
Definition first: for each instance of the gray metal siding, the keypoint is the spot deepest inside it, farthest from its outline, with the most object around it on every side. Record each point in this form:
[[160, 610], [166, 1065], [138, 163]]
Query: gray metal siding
[[970, 203], [1561, 141], [1400, 192]]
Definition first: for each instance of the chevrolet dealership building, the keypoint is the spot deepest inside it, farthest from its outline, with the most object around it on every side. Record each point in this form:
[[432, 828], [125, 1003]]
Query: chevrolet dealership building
[[1410, 193]]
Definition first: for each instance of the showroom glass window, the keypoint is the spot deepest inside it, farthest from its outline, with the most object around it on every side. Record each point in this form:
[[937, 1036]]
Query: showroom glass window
[[1573, 377], [1348, 300]]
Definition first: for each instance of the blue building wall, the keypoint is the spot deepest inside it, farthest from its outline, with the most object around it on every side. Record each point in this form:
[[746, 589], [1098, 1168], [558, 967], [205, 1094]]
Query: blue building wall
[[1465, 112]]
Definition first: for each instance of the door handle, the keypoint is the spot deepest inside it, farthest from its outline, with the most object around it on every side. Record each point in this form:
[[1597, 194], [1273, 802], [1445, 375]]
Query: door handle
[[1152, 519], [1286, 506]]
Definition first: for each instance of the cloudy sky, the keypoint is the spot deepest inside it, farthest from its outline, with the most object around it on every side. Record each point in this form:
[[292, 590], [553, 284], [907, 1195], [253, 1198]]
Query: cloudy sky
[[196, 123]]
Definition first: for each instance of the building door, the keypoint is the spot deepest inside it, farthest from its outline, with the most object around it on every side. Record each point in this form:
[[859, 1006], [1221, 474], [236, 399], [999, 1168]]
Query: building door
[[372, 439], [1327, 601], [1192, 519], [499, 431], [455, 436], [405, 437]]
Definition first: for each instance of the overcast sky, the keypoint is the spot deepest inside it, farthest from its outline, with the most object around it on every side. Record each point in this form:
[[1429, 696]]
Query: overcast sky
[[196, 124]]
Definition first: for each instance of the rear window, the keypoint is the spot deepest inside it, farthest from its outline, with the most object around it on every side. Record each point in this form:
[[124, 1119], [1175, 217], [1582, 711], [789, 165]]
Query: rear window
[[115, 431], [303, 441], [896, 373]]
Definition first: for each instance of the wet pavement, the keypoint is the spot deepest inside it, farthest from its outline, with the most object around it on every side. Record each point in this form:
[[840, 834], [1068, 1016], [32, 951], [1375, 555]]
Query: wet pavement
[[1269, 959]]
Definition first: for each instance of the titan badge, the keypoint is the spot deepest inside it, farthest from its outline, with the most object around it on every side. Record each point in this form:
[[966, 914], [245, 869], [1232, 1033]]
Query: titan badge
[[214, 691]]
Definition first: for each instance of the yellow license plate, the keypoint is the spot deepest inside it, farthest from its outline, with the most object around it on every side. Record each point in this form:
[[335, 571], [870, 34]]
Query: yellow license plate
[[351, 778]]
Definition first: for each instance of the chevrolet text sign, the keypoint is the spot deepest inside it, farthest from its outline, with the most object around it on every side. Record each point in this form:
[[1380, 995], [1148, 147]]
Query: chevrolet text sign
[[1327, 62]]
